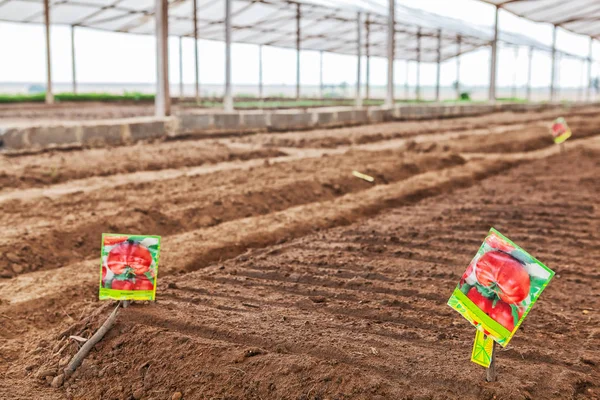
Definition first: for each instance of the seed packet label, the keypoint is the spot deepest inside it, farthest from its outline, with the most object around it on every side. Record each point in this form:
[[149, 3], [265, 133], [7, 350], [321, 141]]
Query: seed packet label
[[483, 348], [499, 287], [128, 266], [560, 130]]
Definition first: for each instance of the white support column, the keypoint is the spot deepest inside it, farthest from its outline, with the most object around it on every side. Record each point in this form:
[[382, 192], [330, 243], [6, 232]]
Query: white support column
[[529, 70], [180, 68], [553, 73], [368, 51], [406, 80], [418, 85], [196, 61], [559, 58], [458, 43], [391, 30], [581, 91], [588, 96], [162, 102], [358, 99], [298, 33], [321, 88], [439, 66], [514, 88], [493, 67], [73, 63], [49, 94], [260, 73], [228, 98]]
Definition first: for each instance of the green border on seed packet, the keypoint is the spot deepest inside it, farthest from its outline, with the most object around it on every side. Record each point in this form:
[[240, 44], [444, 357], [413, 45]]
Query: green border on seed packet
[[112, 294], [461, 303]]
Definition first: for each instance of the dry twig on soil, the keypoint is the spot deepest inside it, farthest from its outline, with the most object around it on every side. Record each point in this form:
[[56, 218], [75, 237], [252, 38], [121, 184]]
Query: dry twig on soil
[[91, 342]]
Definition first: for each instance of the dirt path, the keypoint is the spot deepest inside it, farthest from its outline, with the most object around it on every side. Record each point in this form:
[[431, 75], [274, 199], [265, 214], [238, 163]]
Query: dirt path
[[289, 278]]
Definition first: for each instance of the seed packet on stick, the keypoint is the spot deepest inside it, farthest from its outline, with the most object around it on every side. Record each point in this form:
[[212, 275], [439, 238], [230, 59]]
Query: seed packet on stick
[[129, 266], [560, 130], [497, 291]]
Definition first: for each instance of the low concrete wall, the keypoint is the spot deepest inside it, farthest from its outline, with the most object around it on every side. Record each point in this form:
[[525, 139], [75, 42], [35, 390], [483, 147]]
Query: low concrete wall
[[112, 132], [88, 133]]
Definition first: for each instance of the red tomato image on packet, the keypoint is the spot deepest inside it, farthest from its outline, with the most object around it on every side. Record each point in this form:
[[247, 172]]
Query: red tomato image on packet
[[560, 130], [129, 267], [499, 287]]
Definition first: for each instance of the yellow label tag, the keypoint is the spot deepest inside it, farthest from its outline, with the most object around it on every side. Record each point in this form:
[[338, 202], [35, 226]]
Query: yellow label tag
[[483, 348], [363, 176]]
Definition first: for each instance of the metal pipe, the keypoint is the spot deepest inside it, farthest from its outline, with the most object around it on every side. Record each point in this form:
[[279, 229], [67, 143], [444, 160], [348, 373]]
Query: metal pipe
[[553, 74], [581, 87], [49, 94], [514, 88], [529, 69], [559, 58], [589, 72], [418, 83], [196, 60], [298, 51], [389, 100], [321, 88], [493, 69], [368, 51], [162, 101], [73, 63], [228, 99], [458, 43], [439, 62], [260, 73], [358, 99], [406, 81], [180, 68]]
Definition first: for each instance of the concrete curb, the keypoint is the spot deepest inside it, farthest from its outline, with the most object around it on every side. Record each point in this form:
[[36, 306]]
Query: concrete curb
[[122, 131]]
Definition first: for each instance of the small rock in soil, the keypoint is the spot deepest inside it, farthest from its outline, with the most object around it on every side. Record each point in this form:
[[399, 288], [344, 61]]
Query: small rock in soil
[[12, 257], [30, 367], [58, 381], [44, 372], [176, 396], [252, 352], [138, 393], [5, 274], [17, 268], [63, 361], [318, 299]]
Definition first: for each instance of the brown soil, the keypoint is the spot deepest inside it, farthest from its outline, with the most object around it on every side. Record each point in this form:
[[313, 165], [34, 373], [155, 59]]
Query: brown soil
[[285, 277]]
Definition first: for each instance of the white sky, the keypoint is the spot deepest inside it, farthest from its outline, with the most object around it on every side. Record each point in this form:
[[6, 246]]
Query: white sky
[[105, 57]]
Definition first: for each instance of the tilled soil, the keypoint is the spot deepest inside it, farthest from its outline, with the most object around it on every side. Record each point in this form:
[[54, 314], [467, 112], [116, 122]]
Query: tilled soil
[[283, 276]]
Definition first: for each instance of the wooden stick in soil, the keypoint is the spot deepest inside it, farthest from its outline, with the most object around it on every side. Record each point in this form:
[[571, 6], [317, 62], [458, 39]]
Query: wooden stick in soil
[[491, 371], [87, 347]]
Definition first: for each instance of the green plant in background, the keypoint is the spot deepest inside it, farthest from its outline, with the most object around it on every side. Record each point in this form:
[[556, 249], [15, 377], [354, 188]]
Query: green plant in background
[[22, 98], [512, 99], [465, 96], [108, 97]]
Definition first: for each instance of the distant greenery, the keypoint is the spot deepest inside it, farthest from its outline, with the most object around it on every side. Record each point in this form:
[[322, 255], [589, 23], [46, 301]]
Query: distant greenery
[[512, 99], [40, 97], [22, 98], [242, 101]]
